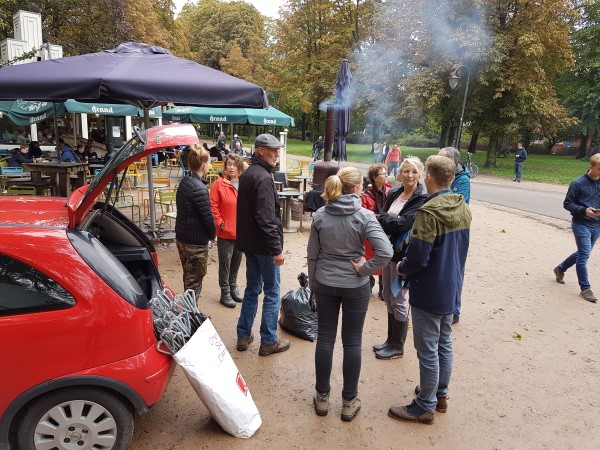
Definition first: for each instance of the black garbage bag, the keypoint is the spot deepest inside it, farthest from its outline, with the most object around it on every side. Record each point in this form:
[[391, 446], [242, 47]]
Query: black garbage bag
[[296, 314]]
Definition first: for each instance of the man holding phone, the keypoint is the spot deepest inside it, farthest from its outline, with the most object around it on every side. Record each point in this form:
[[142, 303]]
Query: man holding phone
[[583, 202]]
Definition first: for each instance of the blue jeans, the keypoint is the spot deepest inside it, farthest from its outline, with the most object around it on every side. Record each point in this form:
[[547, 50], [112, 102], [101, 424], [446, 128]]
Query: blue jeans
[[261, 274], [585, 238], [432, 335], [518, 169], [393, 166], [354, 303]]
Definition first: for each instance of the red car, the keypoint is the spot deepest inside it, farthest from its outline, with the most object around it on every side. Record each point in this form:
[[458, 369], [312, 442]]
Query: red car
[[79, 356]]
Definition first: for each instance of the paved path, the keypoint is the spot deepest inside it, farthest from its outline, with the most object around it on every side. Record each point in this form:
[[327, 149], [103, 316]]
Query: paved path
[[529, 196]]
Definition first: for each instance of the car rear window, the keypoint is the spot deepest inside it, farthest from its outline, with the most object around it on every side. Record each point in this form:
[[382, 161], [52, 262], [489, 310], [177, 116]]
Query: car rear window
[[24, 289]]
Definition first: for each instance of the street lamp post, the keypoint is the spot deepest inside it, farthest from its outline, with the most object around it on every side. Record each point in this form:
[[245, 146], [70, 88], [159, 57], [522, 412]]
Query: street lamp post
[[453, 81]]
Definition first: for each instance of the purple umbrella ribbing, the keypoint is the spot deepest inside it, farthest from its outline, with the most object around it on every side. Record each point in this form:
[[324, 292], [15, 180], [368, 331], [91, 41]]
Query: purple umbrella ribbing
[[341, 111]]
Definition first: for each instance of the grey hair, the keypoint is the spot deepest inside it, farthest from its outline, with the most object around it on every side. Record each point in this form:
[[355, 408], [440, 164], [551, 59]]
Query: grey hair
[[450, 152]]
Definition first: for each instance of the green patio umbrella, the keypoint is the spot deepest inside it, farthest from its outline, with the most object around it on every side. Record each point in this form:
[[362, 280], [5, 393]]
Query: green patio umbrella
[[238, 116], [23, 112]]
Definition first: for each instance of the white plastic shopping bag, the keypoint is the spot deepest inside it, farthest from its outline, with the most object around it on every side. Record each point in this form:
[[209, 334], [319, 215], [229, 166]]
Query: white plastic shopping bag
[[217, 381]]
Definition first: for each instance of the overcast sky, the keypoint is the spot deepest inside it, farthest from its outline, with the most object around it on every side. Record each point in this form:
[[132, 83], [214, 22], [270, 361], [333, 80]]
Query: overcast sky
[[265, 7]]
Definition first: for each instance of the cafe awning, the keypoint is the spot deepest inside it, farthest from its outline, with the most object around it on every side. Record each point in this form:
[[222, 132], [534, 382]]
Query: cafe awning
[[108, 109], [238, 116], [23, 112]]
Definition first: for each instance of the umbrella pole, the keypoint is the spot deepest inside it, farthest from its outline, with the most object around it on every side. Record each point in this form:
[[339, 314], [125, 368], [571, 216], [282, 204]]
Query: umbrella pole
[[328, 133], [151, 205], [55, 130]]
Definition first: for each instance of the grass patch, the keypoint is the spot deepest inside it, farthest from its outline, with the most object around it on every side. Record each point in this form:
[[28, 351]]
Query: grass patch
[[543, 168]]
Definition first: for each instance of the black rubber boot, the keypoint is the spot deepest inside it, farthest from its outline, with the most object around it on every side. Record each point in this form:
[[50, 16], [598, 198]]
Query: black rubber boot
[[378, 347], [380, 294], [396, 347]]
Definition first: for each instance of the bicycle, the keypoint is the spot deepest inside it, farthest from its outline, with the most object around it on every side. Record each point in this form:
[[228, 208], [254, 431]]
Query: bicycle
[[469, 164]]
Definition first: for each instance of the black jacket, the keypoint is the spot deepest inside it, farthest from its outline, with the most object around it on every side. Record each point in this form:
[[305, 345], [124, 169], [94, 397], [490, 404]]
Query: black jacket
[[195, 223], [17, 158], [259, 229], [395, 227]]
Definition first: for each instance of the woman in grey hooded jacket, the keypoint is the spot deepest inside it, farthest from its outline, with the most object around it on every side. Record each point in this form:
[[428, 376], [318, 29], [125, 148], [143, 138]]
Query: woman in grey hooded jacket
[[339, 276]]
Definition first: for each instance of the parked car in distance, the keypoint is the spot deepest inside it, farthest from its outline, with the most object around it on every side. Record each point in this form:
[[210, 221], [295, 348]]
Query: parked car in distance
[[79, 356]]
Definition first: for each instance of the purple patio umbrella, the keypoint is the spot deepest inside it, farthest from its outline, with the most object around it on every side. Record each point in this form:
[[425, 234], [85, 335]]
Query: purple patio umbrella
[[341, 111], [134, 73]]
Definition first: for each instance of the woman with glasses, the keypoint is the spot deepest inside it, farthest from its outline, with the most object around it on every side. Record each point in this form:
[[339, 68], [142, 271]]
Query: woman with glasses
[[373, 199]]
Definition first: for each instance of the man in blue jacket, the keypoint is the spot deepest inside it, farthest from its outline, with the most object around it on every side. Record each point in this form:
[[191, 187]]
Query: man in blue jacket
[[435, 267], [520, 156], [583, 202], [461, 185]]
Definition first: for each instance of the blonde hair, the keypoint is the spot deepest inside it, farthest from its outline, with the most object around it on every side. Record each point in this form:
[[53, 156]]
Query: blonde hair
[[595, 159], [343, 183], [198, 157], [415, 163]]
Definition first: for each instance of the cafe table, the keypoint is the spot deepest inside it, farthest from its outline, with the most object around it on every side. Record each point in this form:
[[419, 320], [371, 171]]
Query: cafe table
[[304, 178], [60, 174], [287, 209]]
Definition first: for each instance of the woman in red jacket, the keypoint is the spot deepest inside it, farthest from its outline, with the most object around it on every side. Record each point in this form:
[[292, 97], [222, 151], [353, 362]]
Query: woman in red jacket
[[223, 200], [373, 199]]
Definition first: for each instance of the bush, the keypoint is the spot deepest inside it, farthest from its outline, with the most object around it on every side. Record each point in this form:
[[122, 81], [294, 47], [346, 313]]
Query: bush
[[567, 151], [419, 141], [538, 149]]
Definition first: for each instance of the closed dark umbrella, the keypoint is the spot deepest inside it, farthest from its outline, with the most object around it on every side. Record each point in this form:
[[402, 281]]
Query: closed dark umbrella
[[134, 73], [341, 112]]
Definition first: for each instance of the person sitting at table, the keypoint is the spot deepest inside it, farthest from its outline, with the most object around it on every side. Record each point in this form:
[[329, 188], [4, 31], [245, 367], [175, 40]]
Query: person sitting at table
[[80, 154], [35, 150], [19, 156], [214, 152], [89, 150], [65, 151]]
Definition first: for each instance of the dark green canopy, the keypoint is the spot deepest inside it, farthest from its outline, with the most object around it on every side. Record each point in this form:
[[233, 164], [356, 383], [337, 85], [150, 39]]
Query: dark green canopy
[[238, 116]]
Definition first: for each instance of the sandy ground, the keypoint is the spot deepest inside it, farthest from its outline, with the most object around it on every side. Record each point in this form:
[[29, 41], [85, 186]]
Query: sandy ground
[[525, 369]]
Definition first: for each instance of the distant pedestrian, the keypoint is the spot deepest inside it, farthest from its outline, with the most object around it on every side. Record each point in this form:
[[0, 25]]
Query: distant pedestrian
[[392, 160], [377, 152], [520, 156], [260, 236], [434, 265], [583, 202]]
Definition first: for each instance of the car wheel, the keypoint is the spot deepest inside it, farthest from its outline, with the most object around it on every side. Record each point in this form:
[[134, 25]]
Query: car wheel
[[76, 418]]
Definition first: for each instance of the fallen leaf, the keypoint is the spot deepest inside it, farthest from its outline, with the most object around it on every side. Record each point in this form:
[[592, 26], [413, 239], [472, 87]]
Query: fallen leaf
[[502, 230], [517, 336]]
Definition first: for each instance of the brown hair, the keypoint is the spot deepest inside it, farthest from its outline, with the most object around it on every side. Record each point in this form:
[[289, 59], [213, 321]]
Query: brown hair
[[374, 172], [441, 169], [237, 160], [198, 157]]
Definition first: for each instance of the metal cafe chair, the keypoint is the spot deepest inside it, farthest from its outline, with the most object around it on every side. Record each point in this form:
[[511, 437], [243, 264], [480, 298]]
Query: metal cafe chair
[[11, 170]]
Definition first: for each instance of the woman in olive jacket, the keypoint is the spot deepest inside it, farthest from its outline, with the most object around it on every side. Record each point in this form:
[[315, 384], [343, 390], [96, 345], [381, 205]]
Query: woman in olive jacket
[[195, 225], [396, 219]]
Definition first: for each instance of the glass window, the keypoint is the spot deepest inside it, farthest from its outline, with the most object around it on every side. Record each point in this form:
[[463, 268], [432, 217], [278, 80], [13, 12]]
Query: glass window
[[24, 289]]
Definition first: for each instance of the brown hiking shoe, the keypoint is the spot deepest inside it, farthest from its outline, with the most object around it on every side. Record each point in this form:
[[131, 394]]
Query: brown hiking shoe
[[321, 403], [411, 413], [280, 346], [242, 344], [560, 275], [588, 295], [350, 409], [442, 402]]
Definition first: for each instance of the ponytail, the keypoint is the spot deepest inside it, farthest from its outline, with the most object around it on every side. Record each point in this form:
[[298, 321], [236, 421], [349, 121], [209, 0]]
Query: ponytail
[[343, 183]]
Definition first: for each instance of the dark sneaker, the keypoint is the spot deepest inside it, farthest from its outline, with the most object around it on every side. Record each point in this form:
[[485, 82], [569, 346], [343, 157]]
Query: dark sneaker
[[442, 402], [321, 403], [588, 295], [560, 275], [350, 409], [455, 318], [227, 301], [411, 413], [242, 344], [235, 294], [280, 346]]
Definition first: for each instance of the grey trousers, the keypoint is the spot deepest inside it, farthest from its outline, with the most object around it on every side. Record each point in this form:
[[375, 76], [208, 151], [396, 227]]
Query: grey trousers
[[230, 259]]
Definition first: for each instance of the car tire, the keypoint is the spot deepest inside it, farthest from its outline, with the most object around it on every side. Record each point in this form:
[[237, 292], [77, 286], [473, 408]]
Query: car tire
[[82, 418]]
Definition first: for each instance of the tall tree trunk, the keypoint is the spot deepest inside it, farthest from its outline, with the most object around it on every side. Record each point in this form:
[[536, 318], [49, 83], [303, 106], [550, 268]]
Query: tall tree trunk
[[473, 144], [583, 140], [452, 130], [303, 125], [490, 158], [593, 148], [444, 136]]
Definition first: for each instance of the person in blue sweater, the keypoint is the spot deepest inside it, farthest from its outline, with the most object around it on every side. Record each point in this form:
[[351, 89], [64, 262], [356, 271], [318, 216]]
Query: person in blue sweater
[[583, 202], [461, 185], [434, 266], [520, 156]]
